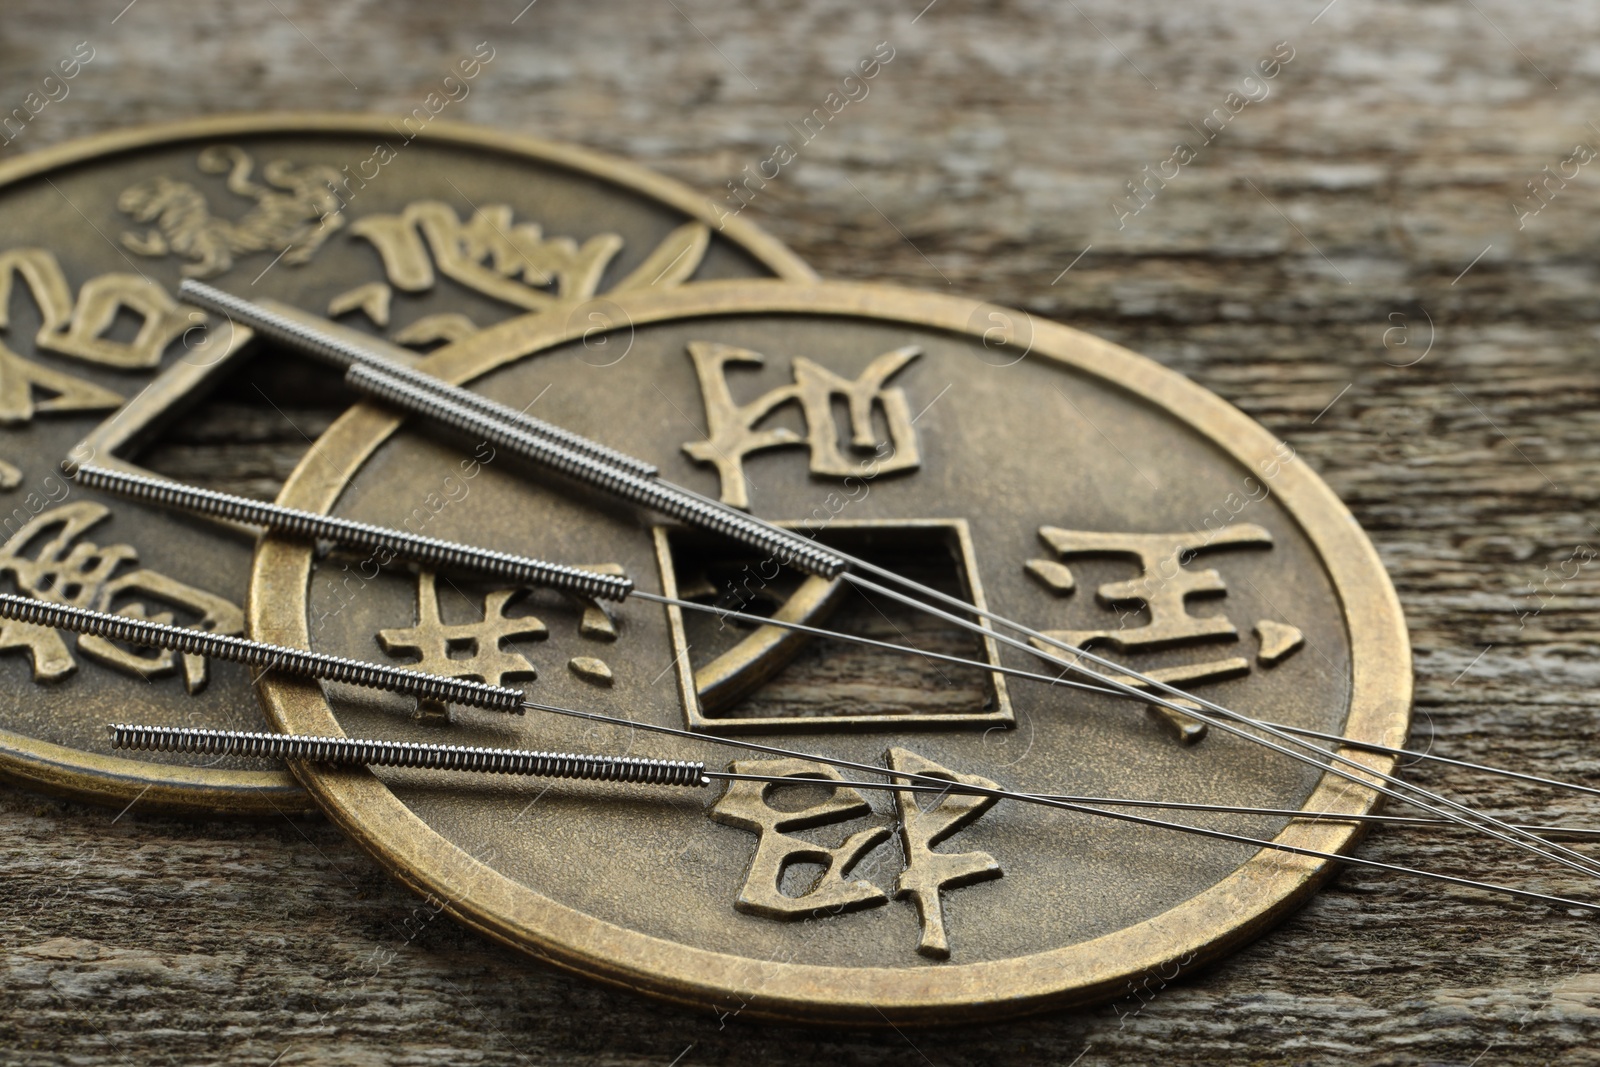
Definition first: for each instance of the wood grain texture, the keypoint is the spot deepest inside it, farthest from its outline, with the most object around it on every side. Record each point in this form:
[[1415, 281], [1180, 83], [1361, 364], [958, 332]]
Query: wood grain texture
[[1384, 160]]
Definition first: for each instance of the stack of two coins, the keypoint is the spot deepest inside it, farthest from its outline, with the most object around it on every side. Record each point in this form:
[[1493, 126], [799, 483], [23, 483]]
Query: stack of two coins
[[1041, 473]]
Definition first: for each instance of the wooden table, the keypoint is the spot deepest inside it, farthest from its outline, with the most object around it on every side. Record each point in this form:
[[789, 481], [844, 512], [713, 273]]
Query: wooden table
[[1369, 198]]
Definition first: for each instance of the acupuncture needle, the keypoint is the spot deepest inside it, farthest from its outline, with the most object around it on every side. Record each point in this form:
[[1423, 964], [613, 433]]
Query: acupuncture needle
[[344, 751], [360, 535], [371, 536], [595, 464], [354, 752], [481, 694]]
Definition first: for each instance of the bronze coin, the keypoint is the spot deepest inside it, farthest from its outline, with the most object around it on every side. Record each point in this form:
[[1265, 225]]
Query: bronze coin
[[410, 230], [1066, 482]]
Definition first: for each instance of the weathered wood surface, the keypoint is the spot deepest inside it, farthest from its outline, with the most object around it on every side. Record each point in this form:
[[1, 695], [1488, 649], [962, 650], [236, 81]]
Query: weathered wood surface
[[1383, 162]]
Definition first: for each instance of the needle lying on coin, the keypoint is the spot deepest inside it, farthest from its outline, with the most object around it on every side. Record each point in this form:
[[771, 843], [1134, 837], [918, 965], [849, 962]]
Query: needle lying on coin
[[605, 768], [491, 563], [600, 467], [352, 752]]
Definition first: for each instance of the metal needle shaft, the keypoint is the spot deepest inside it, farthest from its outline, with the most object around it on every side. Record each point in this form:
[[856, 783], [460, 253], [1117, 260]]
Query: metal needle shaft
[[346, 751], [343, 751]]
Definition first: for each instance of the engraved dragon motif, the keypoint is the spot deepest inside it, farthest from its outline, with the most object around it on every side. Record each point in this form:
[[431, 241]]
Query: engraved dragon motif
[[297, 209]]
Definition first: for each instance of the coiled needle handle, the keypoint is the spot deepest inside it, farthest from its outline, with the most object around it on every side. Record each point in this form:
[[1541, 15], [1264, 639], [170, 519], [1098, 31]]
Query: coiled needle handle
[[668, 499], [142, 632], [355, 534], [353, 752], [341, 353], [348, 751]]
